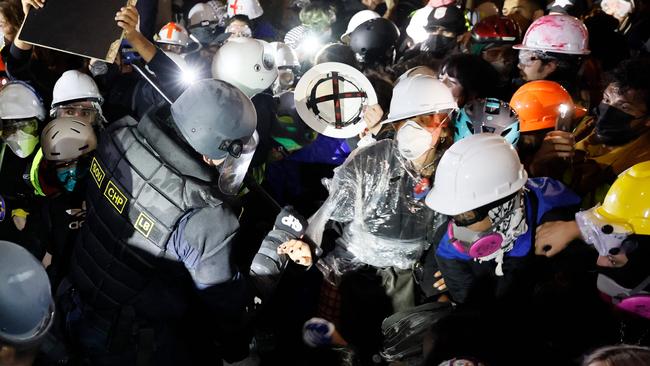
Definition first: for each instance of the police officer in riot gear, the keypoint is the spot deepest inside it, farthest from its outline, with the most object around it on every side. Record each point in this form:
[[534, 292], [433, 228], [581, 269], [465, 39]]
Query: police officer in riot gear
[[152, 281]]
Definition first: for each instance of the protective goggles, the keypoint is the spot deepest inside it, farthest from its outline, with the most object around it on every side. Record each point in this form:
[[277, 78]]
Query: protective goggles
[[527, 58], [75, 111], [10, 127], [608, 238]]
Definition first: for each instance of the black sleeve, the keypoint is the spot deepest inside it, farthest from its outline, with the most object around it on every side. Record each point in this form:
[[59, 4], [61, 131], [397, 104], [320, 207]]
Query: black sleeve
[[169, 75], [458, 277]]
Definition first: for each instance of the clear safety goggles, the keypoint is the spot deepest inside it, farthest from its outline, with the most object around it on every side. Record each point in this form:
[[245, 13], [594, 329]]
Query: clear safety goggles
[[527, 57], [238, 30], [606, 237], [11, 127], [75, 111]]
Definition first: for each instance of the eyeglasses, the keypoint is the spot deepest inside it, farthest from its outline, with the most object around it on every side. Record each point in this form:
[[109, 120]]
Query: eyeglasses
[[75, 111]]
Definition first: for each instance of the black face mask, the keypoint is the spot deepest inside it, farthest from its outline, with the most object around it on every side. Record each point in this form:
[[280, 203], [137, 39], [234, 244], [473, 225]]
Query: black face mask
[[438, 45], [613, 126]]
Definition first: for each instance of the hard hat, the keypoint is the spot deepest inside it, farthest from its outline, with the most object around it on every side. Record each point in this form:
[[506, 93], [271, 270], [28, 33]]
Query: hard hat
[[67, 138], [211, 114], [558, 33], [356, 20], [75, 86], [26, 304], [250, 8], [474, 172], [496, 29], [374, 40], [419, 95], [202, 14], [449, 18], [537, 104], [285, 56], [18, 100], [247, 63], [330, 98], [418, 22], [487, 115], [628, 200], [173, 33]]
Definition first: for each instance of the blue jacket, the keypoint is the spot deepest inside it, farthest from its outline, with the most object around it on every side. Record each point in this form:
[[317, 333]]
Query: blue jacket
[[550, 193]]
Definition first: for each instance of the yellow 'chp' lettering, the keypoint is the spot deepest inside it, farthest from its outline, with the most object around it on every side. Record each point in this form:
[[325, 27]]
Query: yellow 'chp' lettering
[[115, 196]]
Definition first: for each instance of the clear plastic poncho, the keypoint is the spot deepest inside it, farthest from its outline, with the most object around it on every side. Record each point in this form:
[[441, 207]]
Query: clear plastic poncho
[[384, 225]]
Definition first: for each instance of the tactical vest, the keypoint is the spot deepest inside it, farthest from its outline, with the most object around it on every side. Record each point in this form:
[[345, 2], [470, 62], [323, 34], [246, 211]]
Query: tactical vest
[[134, 200]]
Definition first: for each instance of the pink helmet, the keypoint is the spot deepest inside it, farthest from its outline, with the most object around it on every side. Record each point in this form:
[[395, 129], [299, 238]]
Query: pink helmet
[[557, 33]]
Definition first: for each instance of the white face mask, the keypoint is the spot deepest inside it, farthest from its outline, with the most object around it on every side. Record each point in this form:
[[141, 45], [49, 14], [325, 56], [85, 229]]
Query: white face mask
[[619, 9], [21, 143], [413, 141]]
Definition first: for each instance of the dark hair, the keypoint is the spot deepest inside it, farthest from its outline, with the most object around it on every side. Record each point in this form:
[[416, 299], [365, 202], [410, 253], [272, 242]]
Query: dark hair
[[13, 12], [633, 75], [336, 52], [621, 355], [240, 17], [477, 77]]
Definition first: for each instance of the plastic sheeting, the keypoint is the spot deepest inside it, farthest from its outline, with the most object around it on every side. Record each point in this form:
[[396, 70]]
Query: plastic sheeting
[[372, 194]]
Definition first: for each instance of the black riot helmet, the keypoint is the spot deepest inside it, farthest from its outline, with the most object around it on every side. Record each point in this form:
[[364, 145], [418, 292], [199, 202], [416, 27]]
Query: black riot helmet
[[373, 42]]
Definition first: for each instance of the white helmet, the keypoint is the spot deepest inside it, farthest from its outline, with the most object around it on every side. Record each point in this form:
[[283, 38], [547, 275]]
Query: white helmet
[[18, 100], [356, 20], [66, 138], [418, 95], [419, 20], [558, 33], [73, 86], [285, 56], [330, 98], [203, 14], [474, 172], [247, 63], [175, 34], [250, 8]]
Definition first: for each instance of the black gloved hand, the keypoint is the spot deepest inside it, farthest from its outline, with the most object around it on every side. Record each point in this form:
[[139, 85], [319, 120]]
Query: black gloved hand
[[291, 222]]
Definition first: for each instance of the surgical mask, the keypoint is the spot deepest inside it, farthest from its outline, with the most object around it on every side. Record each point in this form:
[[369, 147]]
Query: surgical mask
[[21, 143], [413, 140], [613, 126], [68, 176]]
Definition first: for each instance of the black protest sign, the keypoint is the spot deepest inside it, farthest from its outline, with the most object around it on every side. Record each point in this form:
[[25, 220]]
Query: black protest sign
[[81, 27]]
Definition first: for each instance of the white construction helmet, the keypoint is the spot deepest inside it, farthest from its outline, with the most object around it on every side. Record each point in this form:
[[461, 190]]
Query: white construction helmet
[[285, 56], [18, 100], [75, 86], [419, 20], [330, 98], [557, 33], [355, 21], [418, 95], [473, 172], [250, 8], [67, 138], [202, 14], [246, 63], [174, 34]]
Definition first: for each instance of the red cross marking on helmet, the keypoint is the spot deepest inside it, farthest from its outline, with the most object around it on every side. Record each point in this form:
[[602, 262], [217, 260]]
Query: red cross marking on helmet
[[171, 27], [234, 7]]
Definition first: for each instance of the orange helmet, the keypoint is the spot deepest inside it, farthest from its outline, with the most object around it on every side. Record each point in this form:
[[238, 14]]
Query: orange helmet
[[538, 104]]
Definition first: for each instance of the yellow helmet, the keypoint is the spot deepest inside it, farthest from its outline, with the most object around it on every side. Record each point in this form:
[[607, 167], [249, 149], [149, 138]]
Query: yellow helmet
[[628, 200]]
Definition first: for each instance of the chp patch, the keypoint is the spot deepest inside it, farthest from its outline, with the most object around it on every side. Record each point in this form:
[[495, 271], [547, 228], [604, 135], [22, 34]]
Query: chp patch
[[115, 196], [97, 172]]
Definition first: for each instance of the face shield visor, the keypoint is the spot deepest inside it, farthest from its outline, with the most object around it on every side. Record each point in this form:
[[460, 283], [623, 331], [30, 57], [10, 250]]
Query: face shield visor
[[21, 136], [234, 168]]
